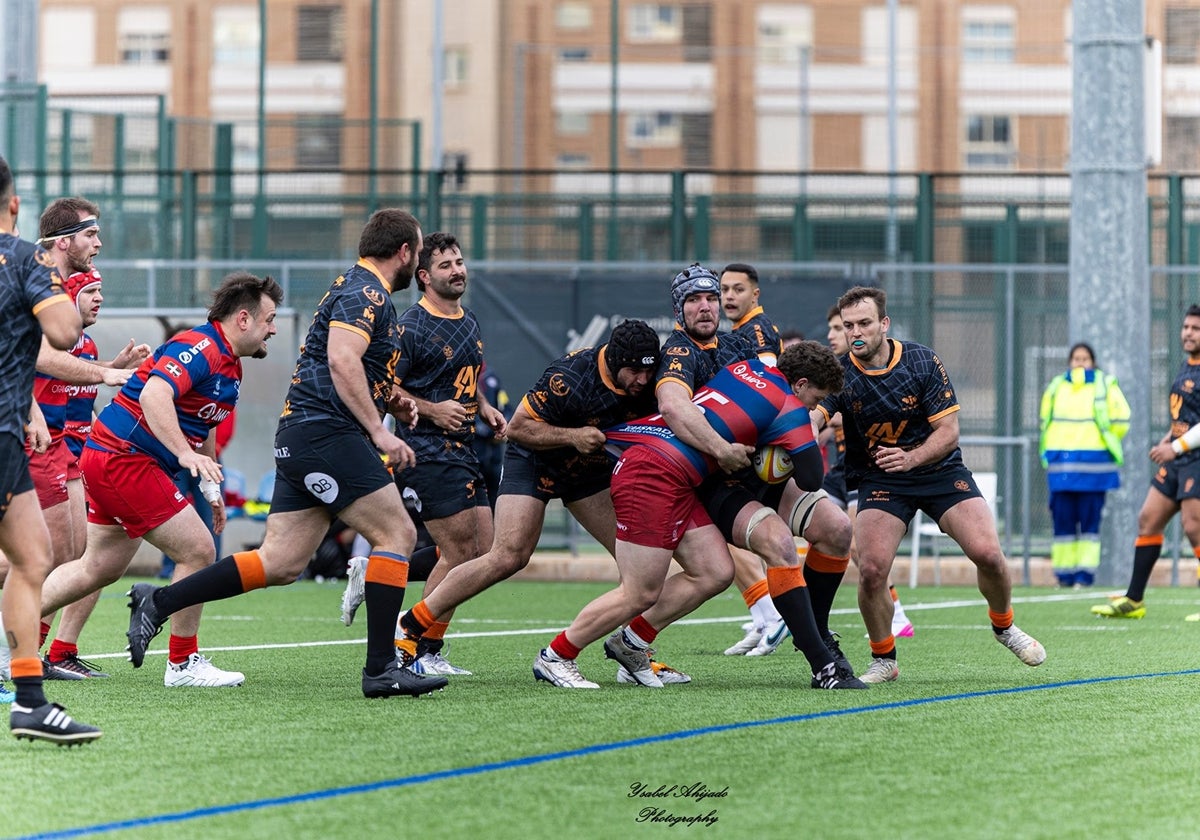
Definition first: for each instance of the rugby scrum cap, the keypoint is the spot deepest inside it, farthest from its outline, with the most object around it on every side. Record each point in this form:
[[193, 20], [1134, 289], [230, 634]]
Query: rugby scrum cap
[[79, 281], [692, 281], [633, 344]]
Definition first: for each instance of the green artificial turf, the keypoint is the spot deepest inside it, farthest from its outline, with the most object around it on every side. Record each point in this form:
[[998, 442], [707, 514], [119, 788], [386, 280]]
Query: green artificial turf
[[968, 743]]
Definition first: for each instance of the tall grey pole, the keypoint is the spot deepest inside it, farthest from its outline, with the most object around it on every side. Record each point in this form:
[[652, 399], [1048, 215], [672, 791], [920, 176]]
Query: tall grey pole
[[1109, 283], [892, 242], [439, 89], [18, 78]]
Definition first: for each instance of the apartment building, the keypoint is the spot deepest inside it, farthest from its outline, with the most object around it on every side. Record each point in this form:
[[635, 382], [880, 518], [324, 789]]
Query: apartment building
[[320, 95], [749, 85]]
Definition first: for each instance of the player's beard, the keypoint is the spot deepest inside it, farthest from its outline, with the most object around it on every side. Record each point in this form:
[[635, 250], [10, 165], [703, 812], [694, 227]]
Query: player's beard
[[78, 260], [403, 276]]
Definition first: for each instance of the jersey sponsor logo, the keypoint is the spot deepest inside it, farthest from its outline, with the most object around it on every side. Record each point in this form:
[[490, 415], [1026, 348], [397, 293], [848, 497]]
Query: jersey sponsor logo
[[282, 452], [323, 486], [744, 373], [198, 346], [43, 258], [212, 412], [880, 433], [185, 357], [173, 369], [368, 315], [375, 296], [559, 386]]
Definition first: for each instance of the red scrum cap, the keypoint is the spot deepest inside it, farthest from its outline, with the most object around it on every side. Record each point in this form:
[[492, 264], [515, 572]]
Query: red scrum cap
[[79, 281]]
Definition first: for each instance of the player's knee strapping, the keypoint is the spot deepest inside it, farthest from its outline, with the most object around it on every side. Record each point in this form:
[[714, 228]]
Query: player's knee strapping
[[802, 511], [755, 518]]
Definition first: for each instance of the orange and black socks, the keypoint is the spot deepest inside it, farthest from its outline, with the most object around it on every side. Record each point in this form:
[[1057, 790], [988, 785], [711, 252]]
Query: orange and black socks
[[1146, 549], [791, 599], [823, 573], [885, 649], [417, 620], [1001, 621], [229, 576], [386, 580], [27, 681]]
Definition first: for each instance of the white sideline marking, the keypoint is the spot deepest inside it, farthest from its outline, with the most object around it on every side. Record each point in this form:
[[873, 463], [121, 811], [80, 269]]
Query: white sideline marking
[[532, 631]]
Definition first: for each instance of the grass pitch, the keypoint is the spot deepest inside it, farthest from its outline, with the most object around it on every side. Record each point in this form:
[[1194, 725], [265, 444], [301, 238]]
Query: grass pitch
[[968, 743]]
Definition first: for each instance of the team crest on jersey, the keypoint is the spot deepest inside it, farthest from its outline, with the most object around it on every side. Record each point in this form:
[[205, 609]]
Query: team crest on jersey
[[909, 402], [448, 352], [962, 486], [558, 386], [374, 295], [43, 258], [677, 351], [173, 369], [1188, 386]]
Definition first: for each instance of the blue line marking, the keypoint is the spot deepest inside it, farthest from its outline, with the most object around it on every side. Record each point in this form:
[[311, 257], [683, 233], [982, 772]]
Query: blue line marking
[[529, 761]]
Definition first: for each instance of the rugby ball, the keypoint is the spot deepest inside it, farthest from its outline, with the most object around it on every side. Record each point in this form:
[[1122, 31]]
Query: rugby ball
[[772, 464]]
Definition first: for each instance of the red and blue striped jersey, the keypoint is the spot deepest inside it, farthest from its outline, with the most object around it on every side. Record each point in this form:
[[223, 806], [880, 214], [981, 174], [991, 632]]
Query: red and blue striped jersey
[[746, 402], [51, 395], [205, 374], [54, 395], [81, 400]]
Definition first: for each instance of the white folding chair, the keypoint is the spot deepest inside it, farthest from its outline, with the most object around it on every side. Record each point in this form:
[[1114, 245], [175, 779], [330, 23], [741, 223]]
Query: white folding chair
[[988, 482]]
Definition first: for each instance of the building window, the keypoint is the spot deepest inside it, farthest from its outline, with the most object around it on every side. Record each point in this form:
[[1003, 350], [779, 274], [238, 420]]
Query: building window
[[455, 66], [573, 15], [1181, 144], [654, 130], [988, 34], [320, 33], [318, 143], [235, 35], [783, 31], [570, 54], [144, 36], [659, 23], [572, 161], [989, 143], [573, 123], [1182, 33]]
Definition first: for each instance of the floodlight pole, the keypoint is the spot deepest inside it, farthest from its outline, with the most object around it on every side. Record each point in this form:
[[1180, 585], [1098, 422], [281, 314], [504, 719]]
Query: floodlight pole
[[1109, 288]]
